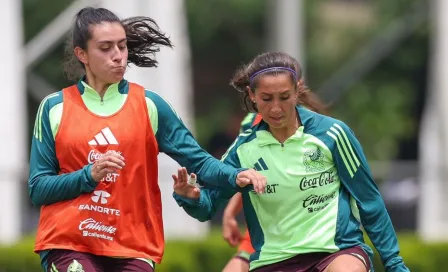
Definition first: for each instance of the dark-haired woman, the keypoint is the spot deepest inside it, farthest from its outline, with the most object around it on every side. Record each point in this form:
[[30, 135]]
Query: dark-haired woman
[[320, 190], [93, 164]]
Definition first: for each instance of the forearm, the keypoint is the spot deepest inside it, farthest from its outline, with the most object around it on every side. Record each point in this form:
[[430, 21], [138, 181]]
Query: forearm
[[199, 208], [234, 206], [49, 189], [215, 173], [209, 170], [204, 207]]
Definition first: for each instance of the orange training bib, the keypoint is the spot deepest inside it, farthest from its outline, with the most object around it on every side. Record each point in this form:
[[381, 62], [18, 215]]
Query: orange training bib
[[122, 217]]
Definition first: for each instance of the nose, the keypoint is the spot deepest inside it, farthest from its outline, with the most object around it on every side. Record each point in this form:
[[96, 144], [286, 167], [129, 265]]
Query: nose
[[276, 107], [117, 57]]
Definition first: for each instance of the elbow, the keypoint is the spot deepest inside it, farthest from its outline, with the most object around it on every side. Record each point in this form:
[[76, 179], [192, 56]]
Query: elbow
[[34, 196], [35, 199], [200, 216], [207, 216], [204, 218]]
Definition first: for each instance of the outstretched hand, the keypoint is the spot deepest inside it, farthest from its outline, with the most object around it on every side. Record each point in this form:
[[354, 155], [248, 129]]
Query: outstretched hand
[[181, 185]]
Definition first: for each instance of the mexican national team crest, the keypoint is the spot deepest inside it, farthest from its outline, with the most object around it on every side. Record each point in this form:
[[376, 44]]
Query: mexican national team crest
[[313, 160], [75, 266]]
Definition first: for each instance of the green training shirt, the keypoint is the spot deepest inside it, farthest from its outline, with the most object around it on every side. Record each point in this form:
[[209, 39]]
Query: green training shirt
[[320, 191]]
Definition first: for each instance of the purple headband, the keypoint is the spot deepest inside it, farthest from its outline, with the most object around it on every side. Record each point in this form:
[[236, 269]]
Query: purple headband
[[262, 71]]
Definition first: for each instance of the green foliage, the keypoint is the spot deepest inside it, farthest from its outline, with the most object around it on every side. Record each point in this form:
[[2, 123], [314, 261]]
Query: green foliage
[[381, 108], [418, 255], [37, 15], [383, 121], [212, 254], [215, 26]]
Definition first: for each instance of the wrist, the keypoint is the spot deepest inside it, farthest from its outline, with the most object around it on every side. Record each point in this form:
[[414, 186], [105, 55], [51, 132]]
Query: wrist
[[184, 201]]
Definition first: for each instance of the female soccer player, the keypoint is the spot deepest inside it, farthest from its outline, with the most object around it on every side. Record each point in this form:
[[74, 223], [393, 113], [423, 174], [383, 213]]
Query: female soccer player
[[320, 190], [93, 165], [231, 232]]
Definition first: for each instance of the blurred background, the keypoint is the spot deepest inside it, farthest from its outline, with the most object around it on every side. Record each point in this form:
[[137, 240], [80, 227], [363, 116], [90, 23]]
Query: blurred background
[[380, 65]]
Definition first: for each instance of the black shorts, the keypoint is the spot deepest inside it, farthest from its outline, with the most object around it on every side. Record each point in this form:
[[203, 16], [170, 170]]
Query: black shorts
[[71, 261]]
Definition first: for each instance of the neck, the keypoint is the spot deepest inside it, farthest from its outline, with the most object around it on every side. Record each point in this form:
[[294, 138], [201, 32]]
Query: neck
[[99, 86], [282, 134]]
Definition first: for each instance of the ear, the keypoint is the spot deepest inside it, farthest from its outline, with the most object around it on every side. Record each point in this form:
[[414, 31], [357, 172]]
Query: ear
[[300, 84], [299, 88], [251, 94], [81, 54]]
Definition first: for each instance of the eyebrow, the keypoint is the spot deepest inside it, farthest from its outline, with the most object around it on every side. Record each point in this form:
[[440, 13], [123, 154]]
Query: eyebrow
[[282, 93], [106, 41]]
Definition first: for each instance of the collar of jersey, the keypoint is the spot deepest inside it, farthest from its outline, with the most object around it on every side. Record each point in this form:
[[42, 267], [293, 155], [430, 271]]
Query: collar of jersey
[[112, 91], [264, 137]]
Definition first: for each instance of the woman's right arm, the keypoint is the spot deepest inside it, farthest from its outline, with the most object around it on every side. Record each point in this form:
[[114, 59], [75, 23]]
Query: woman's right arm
[[45, 186]]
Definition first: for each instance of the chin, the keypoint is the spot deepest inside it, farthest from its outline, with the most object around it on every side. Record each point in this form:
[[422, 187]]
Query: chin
[[276, 125], [117, 78]]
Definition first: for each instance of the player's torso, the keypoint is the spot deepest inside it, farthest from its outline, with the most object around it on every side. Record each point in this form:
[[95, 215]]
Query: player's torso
[[299, 209], [123, 212]]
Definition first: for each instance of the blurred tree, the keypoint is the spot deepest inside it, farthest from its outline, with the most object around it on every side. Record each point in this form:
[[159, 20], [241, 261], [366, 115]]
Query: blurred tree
[[382, 108], [36, 17]]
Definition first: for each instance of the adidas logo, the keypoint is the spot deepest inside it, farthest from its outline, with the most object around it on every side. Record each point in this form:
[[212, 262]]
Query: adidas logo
[[260, 165], [100, 196], [105, 137]]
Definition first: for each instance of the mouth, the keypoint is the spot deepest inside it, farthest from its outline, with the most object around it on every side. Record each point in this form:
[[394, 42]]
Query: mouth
[[119, 68], [276, 118]]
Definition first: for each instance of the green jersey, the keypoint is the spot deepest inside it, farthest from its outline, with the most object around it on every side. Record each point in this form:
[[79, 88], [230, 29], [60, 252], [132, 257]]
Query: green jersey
[[320, 192]]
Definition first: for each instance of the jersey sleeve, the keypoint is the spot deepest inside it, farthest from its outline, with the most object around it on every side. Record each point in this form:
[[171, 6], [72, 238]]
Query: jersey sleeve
[[356, 177], [175, 140], [211, 199], [45, 186], [205, 207]]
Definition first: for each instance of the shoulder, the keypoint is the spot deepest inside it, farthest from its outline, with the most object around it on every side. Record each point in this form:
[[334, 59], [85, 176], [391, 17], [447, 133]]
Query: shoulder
[[248, 121], [49, 112], [154, 97], [156, 100], [247, 136], [51, 100], [151, 96], [329, 130], [244, 139]]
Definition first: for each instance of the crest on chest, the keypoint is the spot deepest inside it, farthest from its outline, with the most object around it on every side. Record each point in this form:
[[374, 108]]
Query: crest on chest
[[313, 160]]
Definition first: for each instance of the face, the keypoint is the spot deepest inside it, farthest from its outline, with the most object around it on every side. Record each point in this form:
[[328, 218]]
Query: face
[[107, 54], [276, 99]]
